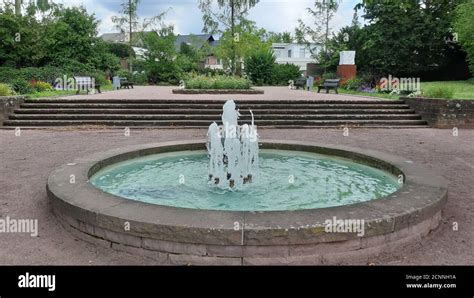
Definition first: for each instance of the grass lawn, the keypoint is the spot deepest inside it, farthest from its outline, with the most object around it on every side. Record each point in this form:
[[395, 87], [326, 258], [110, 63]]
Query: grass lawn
[[57, 93], [462, 90]]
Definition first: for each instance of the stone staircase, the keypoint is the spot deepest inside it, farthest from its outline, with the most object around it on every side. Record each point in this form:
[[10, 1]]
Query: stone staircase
[[185, 113]]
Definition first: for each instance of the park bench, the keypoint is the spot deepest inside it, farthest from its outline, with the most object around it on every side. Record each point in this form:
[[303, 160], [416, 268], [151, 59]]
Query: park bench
[[125, 83], [300, 83], [329, 84], [86, 83]]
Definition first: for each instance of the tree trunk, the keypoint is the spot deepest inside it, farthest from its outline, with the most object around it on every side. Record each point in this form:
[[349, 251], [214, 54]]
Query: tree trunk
[[130, 66], [18, 7], [233, 62]]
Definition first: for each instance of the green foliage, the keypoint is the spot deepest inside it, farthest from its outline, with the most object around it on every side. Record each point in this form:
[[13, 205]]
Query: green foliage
[[284, 37], [283, 73], [464, 27], [46, 74], [250, 40], [6, 90], [160, 63], [471, 81], [123, 73], [317, 33], [40, 86], [217, 82], [119, 49], [354, 83], [259, 67], [439, 92], [406, 37], [65, 38], [140, 79], [22, 86], [329, 76], [211, 72]]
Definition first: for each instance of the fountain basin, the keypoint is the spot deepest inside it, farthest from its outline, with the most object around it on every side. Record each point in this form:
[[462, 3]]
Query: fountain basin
[[172, 235]]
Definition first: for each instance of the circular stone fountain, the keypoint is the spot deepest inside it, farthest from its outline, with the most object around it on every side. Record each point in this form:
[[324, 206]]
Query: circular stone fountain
[[310, 204]]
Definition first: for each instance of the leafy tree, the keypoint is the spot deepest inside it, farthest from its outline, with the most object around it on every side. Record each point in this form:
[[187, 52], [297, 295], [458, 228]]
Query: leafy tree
[[225, 17], [250, 41], [160, 56], [129, 21], [23, 38], [464, 28], [323, 12], [407, 37], [284, 37]]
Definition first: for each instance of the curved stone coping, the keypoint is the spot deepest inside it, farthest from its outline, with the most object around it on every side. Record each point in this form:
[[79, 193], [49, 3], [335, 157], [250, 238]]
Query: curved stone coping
[[104, 216]]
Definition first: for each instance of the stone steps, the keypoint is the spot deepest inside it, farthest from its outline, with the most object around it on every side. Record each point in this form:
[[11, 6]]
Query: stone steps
[[210, 118], [217, 112], [200, 113]]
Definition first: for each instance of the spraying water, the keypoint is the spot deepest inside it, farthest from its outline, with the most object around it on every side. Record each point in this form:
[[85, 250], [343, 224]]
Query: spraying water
[[233, 150]]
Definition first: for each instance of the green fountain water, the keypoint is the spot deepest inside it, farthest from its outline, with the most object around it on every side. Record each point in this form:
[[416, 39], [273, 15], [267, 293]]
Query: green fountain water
[[286, 180]]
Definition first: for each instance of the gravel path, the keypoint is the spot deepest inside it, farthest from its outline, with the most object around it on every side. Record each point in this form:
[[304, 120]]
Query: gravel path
[[27, 161]]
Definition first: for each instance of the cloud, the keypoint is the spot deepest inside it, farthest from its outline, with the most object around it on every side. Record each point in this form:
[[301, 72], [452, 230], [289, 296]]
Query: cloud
[[273, 15]]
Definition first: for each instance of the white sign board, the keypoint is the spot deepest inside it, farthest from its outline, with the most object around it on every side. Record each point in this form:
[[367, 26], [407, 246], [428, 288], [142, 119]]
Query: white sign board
[[347, 58]]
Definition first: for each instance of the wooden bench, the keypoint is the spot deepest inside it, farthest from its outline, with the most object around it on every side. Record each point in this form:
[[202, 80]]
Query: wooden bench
[[86, 83], [125, 83], [301, 82], [329, 84]]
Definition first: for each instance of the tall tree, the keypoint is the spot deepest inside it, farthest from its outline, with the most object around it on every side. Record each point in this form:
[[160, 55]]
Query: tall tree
[[323, 12], [408, 37], [220, 16], [464, 29], [128, 22]]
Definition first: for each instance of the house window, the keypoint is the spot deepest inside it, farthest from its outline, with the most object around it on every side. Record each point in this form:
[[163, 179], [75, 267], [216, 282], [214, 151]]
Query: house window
[[289, 53]]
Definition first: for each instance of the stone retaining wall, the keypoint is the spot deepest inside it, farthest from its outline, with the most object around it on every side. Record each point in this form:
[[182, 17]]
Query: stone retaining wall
[[8, 104], [444, 113]]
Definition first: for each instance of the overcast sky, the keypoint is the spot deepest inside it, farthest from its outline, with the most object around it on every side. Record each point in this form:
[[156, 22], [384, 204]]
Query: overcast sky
[[273, 15]]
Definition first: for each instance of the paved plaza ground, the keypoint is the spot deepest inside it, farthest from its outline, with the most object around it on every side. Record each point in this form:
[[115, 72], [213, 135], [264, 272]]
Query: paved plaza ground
[[27, 160], [272, 93]]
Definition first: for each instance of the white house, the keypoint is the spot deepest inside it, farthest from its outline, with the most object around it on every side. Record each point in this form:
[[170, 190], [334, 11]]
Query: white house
[[293, 53]]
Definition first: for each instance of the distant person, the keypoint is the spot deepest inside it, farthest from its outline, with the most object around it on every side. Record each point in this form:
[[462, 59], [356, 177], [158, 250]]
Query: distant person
[[309, 83]]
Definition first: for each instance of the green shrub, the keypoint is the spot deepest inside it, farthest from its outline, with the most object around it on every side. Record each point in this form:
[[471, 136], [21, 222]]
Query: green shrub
[[471, 81], [22, 86], [283, 73], [329, 76], [211, 72], [45, 74], [123, 73], [217, 82], [259, 67], [100, 78], [40, 86], [439, 92], [140, 79], [6, 90], [354, 84]]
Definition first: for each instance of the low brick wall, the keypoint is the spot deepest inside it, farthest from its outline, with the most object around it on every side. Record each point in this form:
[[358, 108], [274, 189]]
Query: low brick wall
[[217, 91], [444, 113], [8, 104]]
